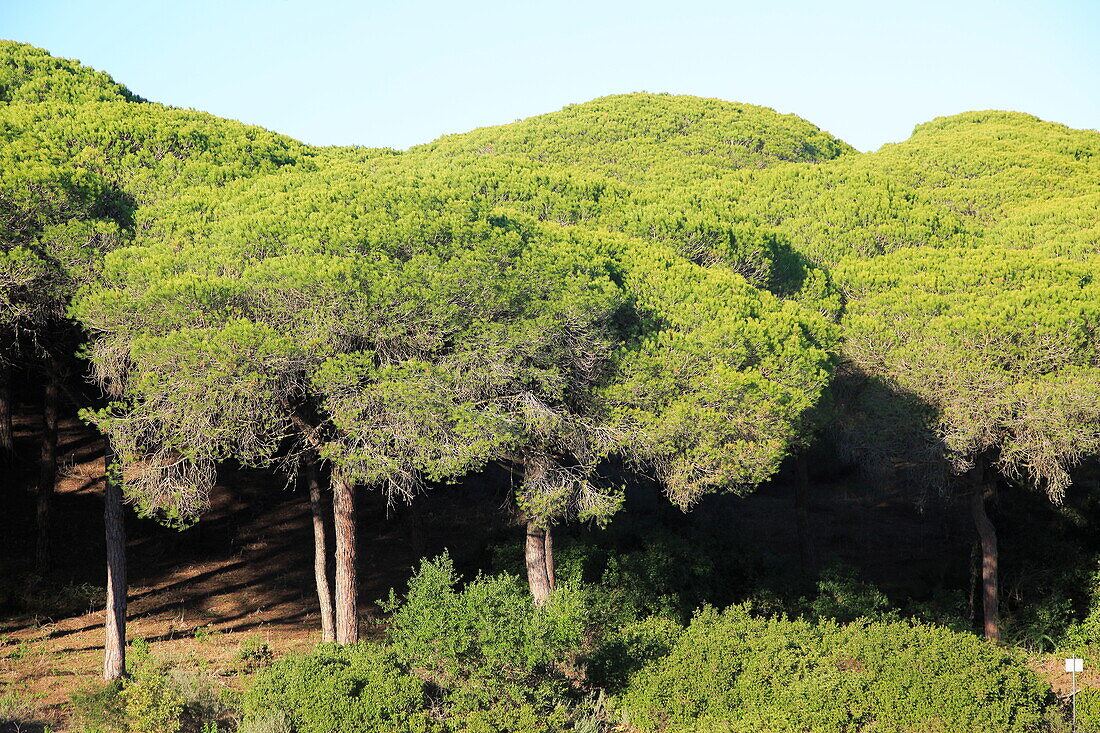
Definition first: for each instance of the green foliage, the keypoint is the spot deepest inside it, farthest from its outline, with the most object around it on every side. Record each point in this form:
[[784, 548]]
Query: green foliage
[[1088, 710], [843, 597], [253, 654], [156, 696], [650, 137], [151, 703], [430, 331], [732, 671], [29, 74], [638, 567], [630, 648], [269, 722], [98, 708], [500, 662], [353, 688], [968, 261]]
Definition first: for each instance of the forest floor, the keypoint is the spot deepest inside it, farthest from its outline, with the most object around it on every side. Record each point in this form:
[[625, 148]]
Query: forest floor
[[242, 576]]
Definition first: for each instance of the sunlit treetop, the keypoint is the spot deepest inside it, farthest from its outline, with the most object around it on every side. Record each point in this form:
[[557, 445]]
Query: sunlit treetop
[[654, 137], [31, 75], [412, 309], [146, 151], [958, 180]]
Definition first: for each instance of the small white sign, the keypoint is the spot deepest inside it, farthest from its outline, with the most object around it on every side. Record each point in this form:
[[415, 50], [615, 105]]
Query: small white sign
[[1075, 665]]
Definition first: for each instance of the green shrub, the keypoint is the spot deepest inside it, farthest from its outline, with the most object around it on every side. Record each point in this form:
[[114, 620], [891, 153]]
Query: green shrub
[[732, 671], [254, 654], [157, 697], [207, 705], [629, 649], [151, 700], [98, 708], [500, 663], [353, 689], [843, 596], [640, 568], [1088, 710]]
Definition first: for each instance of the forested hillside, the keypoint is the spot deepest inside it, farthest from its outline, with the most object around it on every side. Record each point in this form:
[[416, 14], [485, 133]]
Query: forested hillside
[[566, 355]]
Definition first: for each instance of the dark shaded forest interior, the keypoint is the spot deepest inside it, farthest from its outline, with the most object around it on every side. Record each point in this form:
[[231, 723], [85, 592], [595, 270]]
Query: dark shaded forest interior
[[244, 571]]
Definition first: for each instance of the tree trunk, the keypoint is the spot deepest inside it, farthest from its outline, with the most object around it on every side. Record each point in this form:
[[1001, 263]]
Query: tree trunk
[[114, 648], [535, 554], [806, 555], [548, 541], [47, 475], [320, 552], [987, 533], [347, 588], [7, 434]]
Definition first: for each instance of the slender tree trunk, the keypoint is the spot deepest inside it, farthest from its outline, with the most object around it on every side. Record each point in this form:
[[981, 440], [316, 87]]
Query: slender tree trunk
[[7, 434], [114, 648], [347, 585], [806, 555], [987, 533], [320, 552], [47, 475], [535, 554], [548, 541]]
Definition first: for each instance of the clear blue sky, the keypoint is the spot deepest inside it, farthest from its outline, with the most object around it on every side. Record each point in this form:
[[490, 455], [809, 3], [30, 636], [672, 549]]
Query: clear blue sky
[[400, 73]]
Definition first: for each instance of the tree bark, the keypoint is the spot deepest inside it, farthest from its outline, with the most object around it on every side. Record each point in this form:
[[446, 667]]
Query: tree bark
[[47, 475], [807, 557], [538, 579], [347, 585], [7, 433], [114, 648], [987, 534], [320, 552], [548, 541]]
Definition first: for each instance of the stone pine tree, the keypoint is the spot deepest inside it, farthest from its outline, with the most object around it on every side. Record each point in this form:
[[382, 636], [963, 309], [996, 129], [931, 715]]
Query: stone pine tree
[[967, 256], [385, 338], [696, 377], [998, 349]]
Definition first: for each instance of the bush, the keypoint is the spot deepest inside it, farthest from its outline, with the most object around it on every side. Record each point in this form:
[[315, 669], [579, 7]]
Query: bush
[[631, 648], [273, 722], [254, 654], [641, 568], [358, 689], [500, 663], [843, 596], [156, 698], [733, 671], [1088, 710], [98, 708], [151, 701]]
